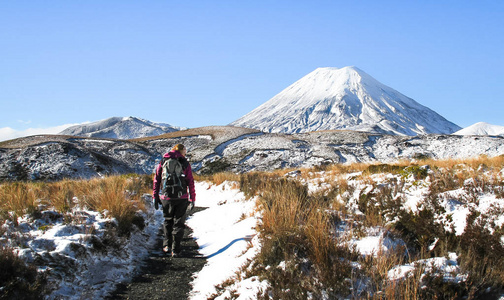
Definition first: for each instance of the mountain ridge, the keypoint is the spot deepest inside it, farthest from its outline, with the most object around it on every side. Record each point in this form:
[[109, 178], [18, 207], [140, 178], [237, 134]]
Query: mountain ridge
[[226, 148], [481, 128], [344, 98], [120, 128]]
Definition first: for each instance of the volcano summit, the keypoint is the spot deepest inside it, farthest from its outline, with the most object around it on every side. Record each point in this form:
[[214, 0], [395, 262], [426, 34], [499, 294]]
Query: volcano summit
[[344, 99]]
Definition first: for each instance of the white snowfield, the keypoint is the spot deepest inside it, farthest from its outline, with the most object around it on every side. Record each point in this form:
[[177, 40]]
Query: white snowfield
[[348, 99], [482, 128]]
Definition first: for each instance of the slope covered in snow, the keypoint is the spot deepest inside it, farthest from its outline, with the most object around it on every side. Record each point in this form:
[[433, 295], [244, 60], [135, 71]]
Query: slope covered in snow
[[481, 128], [346, 98], [120, 128], [233, 149]]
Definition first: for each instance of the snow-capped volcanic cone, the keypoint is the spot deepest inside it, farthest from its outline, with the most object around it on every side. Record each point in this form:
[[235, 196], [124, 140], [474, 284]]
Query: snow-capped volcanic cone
[[482, 128], [346, 98], [120, 128]]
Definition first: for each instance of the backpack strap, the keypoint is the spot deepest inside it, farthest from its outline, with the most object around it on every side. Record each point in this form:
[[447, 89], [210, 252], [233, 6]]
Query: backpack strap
[[183, 161]]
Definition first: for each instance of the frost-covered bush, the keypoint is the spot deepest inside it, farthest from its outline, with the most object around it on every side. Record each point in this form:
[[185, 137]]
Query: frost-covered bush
[[383, 231], [19, 280]]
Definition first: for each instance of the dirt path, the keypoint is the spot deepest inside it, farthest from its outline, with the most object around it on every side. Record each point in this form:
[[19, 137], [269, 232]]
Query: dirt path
[[163, 277]]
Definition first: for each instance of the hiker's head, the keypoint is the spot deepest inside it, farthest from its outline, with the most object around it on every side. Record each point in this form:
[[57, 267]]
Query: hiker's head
[[180, 148]]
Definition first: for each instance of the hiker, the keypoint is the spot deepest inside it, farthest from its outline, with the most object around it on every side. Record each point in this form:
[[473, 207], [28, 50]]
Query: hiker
[[170, 190]]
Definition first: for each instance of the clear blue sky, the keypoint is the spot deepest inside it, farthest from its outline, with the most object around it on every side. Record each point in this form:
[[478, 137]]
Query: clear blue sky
[[200, 63]]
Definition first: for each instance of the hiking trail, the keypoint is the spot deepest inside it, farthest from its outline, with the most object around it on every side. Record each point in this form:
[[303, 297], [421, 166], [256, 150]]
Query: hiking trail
[[164, 277]]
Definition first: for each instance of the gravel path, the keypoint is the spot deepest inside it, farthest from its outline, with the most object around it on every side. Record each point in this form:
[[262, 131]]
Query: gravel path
[[163, 277]]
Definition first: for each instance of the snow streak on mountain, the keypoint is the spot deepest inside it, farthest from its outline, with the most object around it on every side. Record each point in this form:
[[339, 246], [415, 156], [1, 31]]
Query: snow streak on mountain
[[120, 128], [344, 99]]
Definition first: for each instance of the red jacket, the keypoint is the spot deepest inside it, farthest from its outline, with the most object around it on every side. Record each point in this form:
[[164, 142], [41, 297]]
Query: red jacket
[[187, 173]]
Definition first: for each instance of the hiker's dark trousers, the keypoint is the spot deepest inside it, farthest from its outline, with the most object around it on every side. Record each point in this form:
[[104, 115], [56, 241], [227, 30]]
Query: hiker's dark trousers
[[174, 212]]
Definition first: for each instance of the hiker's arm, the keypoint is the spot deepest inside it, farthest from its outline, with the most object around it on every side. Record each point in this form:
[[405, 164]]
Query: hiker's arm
[[190, 183], [157, 182]]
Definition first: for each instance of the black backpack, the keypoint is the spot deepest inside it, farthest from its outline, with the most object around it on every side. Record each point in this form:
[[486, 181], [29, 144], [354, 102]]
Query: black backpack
[[173, 178]]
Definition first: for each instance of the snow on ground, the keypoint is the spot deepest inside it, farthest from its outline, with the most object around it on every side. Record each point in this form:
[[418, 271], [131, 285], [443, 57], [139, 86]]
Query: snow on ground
[[376, 240], [226, 234], [77, 269], [447, 266], [225, 231]]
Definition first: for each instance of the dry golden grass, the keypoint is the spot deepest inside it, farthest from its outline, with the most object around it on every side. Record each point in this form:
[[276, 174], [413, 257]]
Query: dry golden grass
[[117, 196], [218, 178], [18, 197], [283, 209], [296, 227], [317, 229], [408, 288], [474, 163], [60, 195]]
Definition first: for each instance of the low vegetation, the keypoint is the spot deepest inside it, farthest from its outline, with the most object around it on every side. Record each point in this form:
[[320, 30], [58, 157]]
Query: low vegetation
[[311, 221], [312, 218], [117, 197]]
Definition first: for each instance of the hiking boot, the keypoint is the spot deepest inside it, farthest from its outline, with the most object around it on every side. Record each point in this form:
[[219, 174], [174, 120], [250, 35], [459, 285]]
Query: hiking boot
[[167, 250], [176, 254]]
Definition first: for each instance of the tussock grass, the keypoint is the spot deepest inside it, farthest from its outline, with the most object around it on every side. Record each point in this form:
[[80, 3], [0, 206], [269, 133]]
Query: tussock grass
[[116, 196], [297, 239], [304, 254], [218, 178], [18, 198], [60, 195], [113, 197]]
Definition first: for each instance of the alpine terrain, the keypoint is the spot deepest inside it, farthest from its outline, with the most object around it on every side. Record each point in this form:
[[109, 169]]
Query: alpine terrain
[[482, 128], [344, 99], [120, 128]]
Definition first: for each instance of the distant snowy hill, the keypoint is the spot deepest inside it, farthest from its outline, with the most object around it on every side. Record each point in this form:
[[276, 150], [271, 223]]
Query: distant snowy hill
[[482, 128], [232, 149], [344, 99], [120, 128]]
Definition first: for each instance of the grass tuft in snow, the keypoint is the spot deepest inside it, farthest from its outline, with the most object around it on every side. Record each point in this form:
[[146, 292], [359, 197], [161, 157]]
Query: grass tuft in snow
[[111, 196], [482, 251], [297, 245], [48, 205], [17, 199], [440, 223]]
